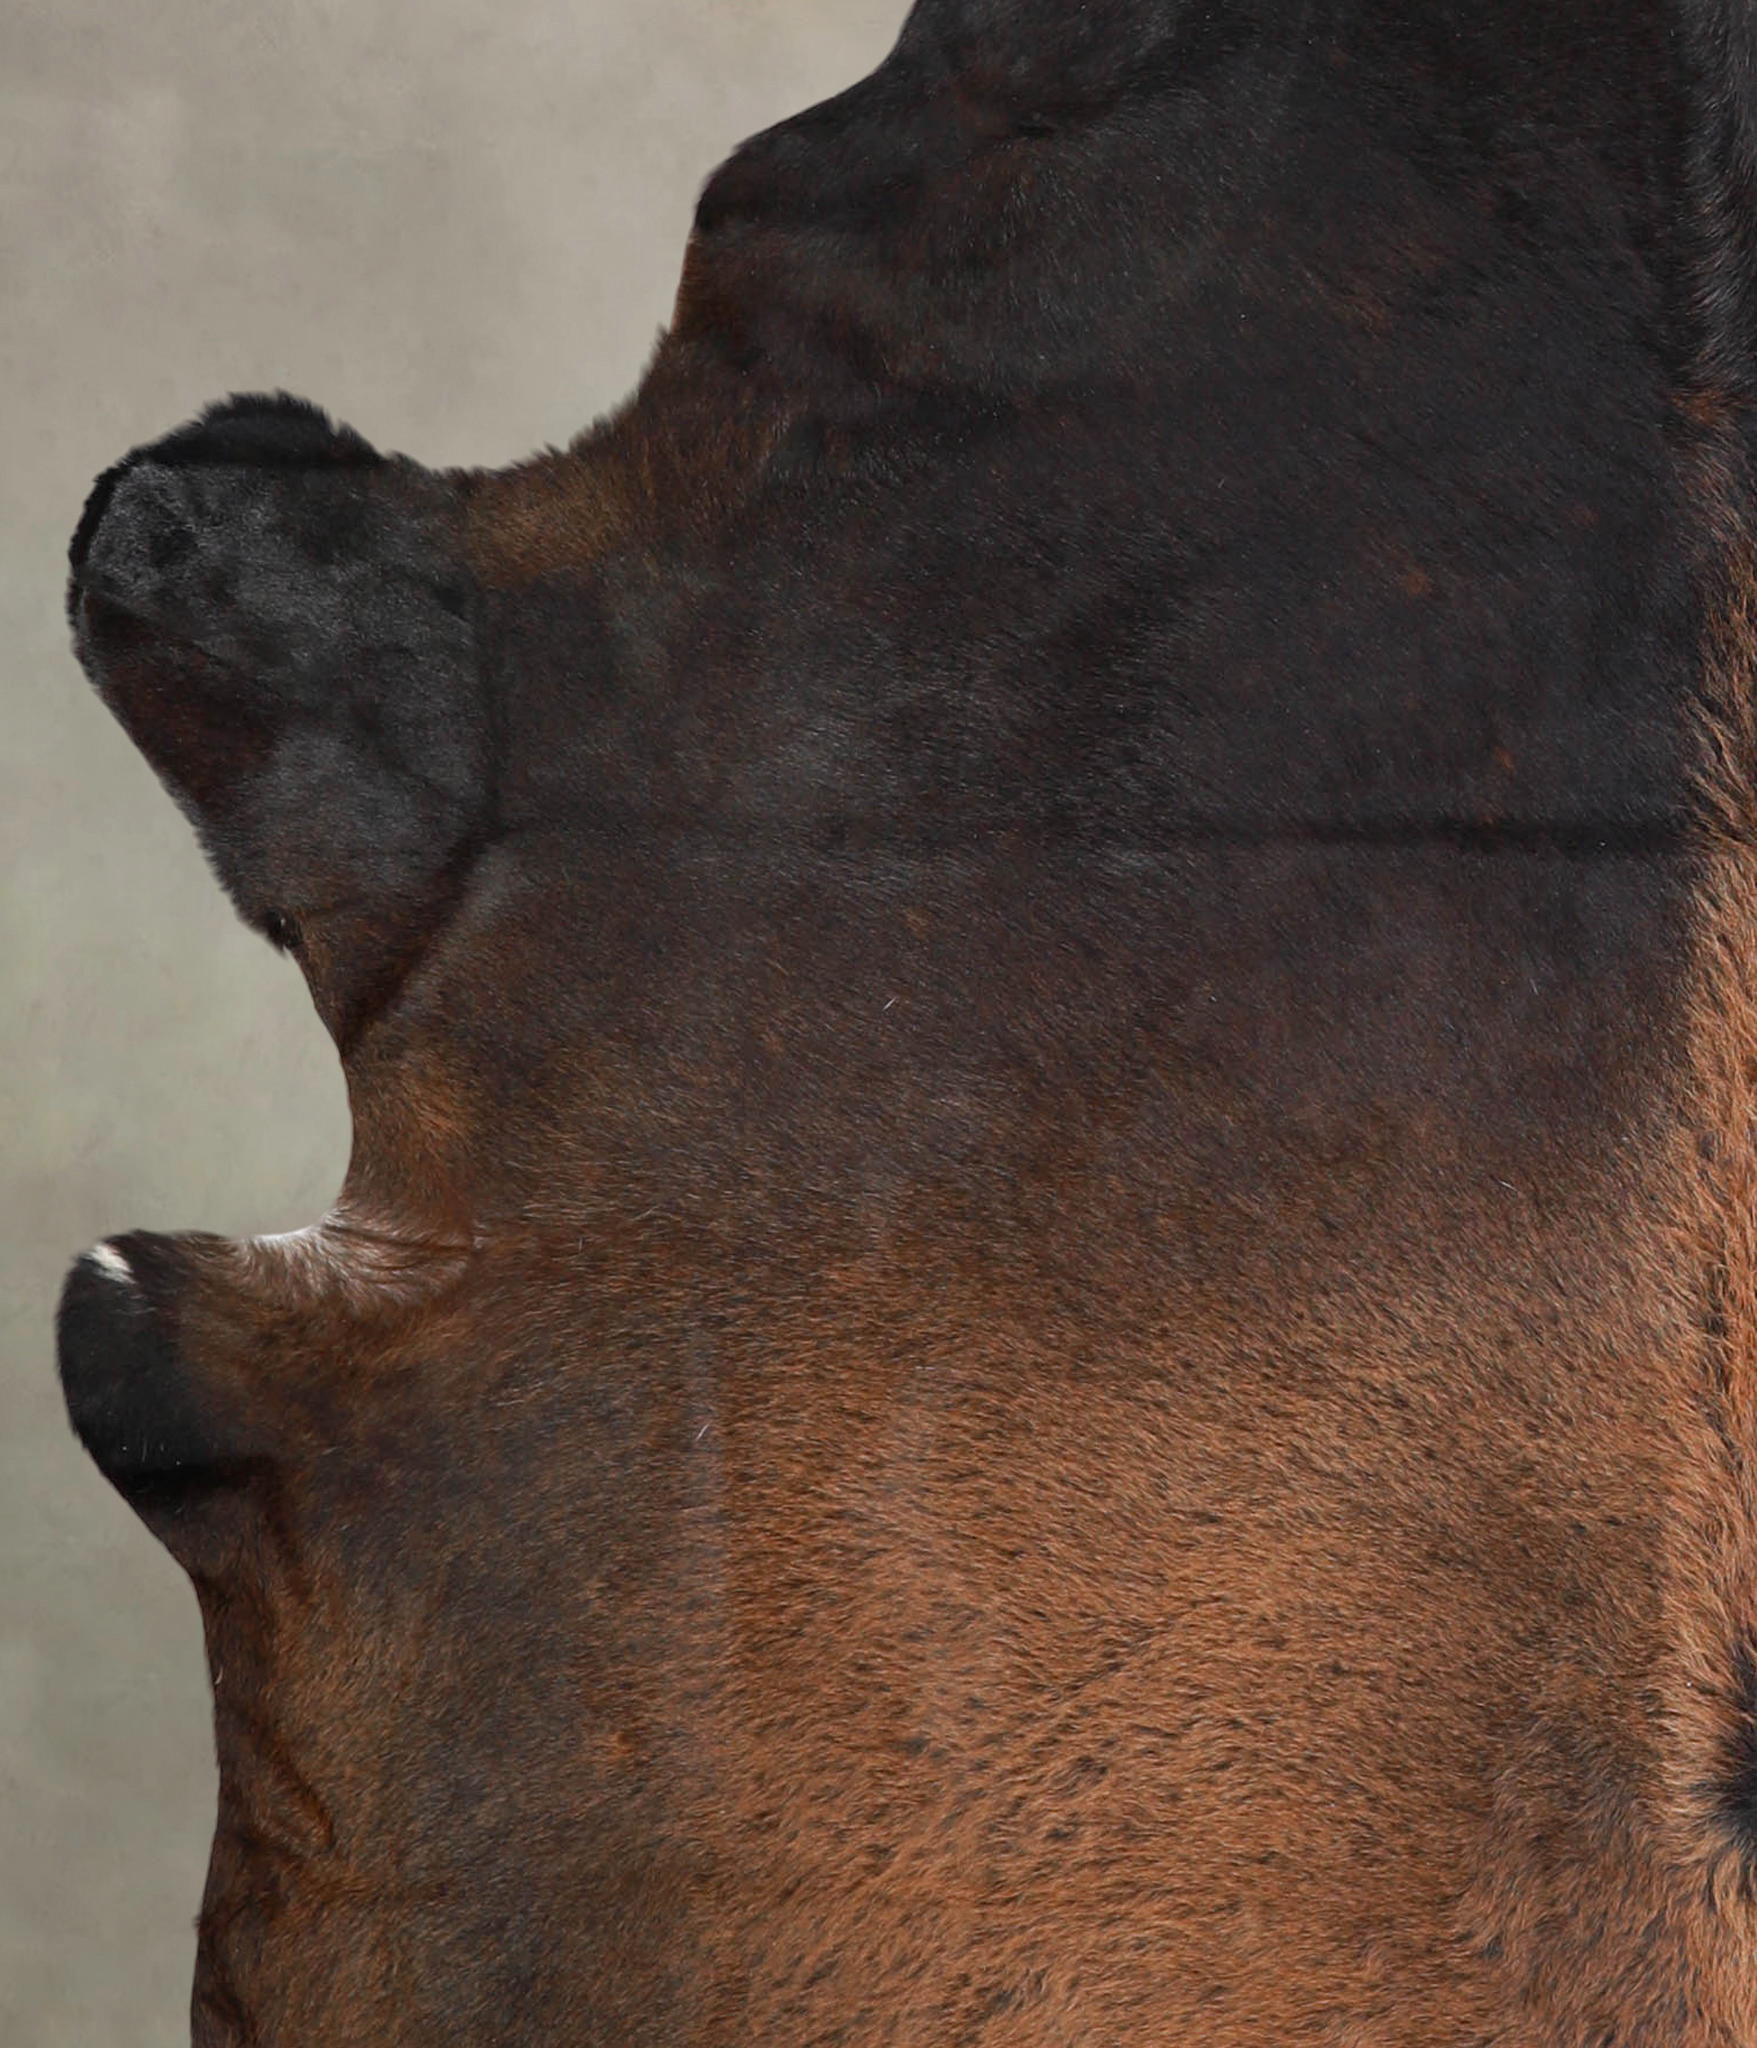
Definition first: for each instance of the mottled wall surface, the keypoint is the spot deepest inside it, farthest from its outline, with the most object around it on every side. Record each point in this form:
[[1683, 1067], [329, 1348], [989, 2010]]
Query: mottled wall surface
[[457, 226]]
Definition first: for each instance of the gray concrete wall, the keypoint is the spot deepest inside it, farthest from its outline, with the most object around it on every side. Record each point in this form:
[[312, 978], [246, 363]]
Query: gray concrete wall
[[458, 225]]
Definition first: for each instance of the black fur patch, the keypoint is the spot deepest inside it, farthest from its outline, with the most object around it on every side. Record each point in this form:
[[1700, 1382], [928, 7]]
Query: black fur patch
[[127, 1396], [282, 625], [1738, 1788], [271, 430]]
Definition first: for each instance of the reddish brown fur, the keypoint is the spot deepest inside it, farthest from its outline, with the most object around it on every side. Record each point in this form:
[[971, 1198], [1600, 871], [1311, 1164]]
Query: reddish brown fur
[[975, 1384]]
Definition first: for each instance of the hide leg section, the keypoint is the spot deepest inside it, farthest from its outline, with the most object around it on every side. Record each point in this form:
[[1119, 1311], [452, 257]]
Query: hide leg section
[[132, 1398], [279, 618]]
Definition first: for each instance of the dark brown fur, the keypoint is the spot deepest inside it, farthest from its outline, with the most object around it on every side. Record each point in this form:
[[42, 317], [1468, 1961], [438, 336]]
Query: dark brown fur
[[1043, 1329]]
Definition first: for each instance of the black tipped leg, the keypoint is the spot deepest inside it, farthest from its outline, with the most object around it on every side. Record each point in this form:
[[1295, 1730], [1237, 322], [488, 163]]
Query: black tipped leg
[[127, 1396]]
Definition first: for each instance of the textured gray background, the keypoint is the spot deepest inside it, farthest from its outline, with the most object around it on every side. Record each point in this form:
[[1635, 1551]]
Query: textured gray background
[[458, 225]]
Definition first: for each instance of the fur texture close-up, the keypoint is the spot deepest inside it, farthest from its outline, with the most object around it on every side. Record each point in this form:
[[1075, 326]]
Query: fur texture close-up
[[1043, 1323]]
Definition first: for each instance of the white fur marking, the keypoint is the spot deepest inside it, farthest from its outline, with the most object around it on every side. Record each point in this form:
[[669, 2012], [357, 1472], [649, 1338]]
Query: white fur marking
[[109, 1260]]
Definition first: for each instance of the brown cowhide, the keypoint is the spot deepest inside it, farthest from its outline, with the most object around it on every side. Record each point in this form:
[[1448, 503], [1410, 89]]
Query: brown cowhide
[[1044, 1329]]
